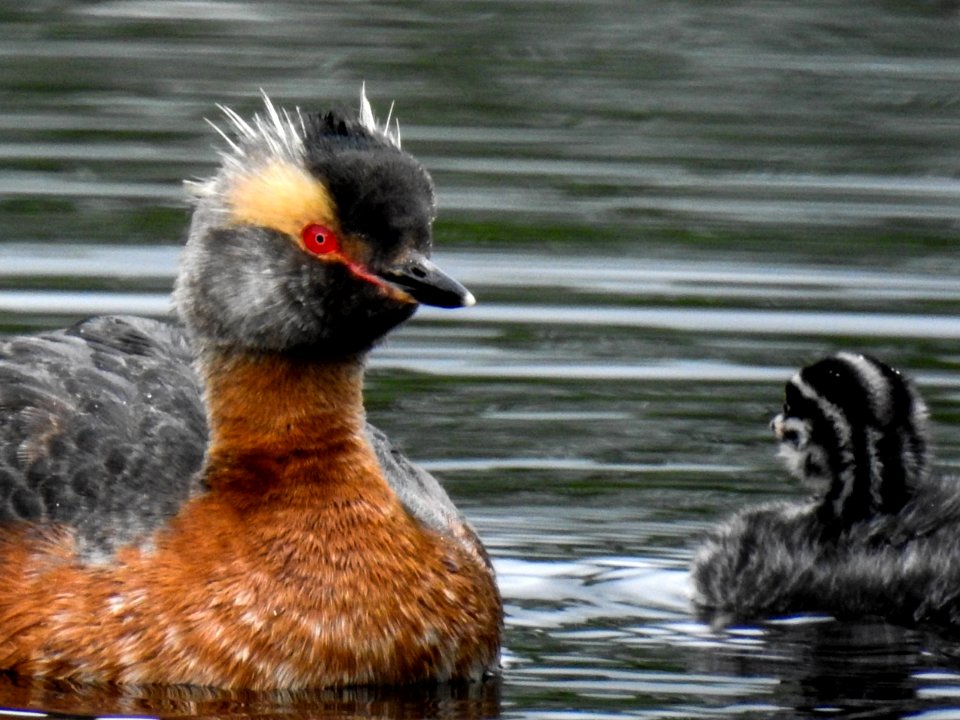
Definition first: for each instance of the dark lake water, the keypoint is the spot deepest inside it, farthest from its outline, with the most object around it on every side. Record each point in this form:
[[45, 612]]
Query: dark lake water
[[664, 209]]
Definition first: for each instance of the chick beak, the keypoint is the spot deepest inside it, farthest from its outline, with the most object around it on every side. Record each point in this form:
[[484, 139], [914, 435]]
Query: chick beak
[[427, 284], [776, 426]]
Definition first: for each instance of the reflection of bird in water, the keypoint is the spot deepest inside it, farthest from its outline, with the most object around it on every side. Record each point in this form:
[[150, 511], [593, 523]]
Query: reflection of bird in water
[[881, 537], [853, 668], [306, 552], [58, 698]]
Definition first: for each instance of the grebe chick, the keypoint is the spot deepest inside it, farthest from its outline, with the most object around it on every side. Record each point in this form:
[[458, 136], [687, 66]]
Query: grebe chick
[[208, 505], [881, 538]]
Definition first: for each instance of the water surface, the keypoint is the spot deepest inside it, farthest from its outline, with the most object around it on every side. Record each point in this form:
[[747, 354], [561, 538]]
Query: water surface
[[664, 210]]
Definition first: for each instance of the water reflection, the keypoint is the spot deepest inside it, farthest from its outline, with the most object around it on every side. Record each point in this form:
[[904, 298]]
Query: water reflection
[[478, 700]]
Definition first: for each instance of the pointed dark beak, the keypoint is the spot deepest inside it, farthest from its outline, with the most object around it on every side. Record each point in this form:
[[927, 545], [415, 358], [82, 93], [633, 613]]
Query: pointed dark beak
[[428, 284]]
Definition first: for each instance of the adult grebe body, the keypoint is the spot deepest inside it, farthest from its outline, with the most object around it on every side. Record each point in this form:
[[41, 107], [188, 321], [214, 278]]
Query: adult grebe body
[[208, 505]]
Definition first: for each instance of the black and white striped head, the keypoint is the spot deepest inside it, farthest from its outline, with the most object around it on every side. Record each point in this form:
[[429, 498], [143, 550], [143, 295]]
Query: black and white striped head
[[854, 430], [313, 235]]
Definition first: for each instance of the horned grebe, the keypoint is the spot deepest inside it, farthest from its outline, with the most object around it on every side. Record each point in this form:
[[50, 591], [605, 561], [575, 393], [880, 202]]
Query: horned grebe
[[239, 524]]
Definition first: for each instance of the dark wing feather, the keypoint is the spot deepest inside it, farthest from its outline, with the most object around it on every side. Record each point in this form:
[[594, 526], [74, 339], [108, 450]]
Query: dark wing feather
[[102, 428], [423, 496]]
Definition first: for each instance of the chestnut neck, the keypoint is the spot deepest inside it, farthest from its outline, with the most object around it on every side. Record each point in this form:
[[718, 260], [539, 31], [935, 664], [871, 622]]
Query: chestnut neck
[[272, 404]]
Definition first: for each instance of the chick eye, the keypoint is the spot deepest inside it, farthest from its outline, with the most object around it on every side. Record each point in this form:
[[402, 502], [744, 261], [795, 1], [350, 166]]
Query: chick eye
[[319, 239]]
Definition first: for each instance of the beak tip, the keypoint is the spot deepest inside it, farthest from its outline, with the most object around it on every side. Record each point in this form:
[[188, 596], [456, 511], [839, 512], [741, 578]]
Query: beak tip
[[424, 283]]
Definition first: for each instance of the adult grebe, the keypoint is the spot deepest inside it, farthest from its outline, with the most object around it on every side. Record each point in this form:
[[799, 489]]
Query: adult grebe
[[240, 525]]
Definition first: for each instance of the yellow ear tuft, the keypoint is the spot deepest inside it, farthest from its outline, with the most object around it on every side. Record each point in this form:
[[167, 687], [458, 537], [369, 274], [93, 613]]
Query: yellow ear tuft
[[284, 197]]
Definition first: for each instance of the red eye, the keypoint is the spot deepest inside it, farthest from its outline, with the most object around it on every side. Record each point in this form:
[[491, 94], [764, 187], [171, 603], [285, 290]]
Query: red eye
[[319, 239]]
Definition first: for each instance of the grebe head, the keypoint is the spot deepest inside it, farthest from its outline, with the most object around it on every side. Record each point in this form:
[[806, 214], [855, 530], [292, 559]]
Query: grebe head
[[854, 430], [314, 235]]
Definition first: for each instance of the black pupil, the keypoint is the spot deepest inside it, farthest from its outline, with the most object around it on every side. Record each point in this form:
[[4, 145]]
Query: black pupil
[[320, 238]]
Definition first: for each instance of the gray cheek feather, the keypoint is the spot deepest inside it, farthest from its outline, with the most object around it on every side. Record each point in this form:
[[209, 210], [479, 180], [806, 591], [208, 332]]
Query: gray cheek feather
[[247, 290]]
